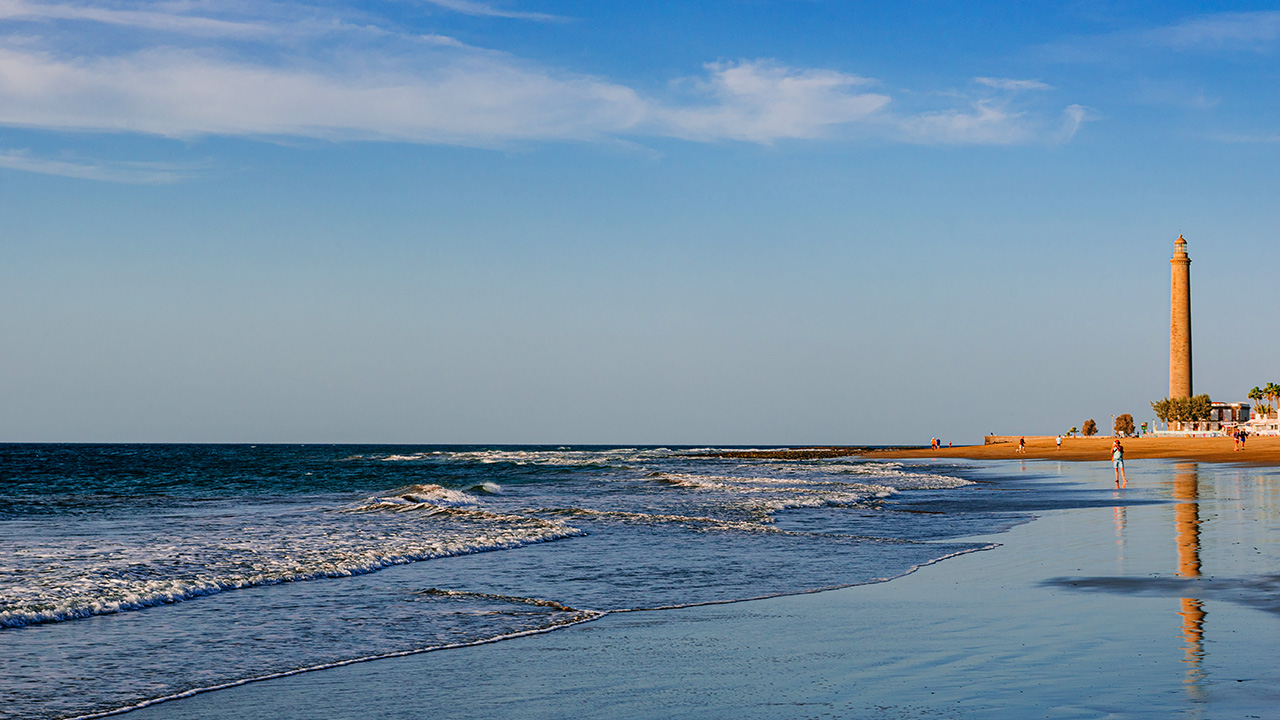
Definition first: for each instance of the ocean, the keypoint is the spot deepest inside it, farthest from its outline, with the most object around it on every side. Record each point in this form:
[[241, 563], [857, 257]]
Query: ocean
[[130, 574]]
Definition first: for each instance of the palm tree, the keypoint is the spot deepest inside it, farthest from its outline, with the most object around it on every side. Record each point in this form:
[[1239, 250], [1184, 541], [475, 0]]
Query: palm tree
[[1272, 391], [1256, 395]]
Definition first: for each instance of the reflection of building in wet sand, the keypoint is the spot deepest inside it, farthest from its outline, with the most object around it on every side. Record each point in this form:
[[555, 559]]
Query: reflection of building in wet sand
[[1186, 490]]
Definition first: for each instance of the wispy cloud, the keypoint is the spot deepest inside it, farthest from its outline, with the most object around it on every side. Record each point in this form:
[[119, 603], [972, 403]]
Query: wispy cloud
[[985, 123], [1232, 32], [167, 18], [1271, 139], [128, 172], [288, 71], [1252, 31], [468, 7], [1008, 84], [469, 100], [1073, 118], [762, 101], [993, 113]]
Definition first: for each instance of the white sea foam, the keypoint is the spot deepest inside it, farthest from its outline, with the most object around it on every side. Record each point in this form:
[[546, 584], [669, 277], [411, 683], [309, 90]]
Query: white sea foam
[[901, 477], [145, 564], [772, 494], [563, 457], [709, 523], [416, 497], [774, 487], [131, 567]]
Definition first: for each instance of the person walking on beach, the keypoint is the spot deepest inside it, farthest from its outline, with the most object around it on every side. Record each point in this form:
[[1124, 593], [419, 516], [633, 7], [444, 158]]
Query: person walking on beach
[[1117, 459], [1022, 444], [1058, 441]]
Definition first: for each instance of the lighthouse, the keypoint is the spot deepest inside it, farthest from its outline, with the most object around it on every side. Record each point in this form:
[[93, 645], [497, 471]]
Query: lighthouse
[[1180, 322]]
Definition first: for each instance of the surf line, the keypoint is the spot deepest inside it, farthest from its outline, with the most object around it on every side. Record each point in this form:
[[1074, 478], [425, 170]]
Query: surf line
[[593, 615], [811, 591]]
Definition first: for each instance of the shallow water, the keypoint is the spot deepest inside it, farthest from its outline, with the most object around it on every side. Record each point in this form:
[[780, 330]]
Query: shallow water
[[130, 573]]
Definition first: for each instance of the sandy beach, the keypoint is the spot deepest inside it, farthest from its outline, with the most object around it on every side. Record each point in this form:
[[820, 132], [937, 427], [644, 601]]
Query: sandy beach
[[1257, 450], [1156, 601]]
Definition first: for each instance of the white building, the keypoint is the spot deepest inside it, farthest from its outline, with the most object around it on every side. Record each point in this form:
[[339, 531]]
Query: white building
[[1226, 415]]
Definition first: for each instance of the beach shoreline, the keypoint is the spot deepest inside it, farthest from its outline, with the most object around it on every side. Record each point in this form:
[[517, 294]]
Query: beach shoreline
[[1263, 451], [1258, 450]]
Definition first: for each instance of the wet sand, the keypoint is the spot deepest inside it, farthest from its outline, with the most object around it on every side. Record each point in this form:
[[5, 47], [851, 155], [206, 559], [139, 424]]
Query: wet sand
[[1157, 601]]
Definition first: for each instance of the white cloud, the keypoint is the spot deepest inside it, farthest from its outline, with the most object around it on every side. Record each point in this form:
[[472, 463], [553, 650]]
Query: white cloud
[[471, 101], [163, 19], [1257, 31], [1008, 84], [761, 101], [1228, 32], [1073, 117], [468, 98], [132, 172], [468, 7], [984, 123], [282, 70], [991, 122], [262, 21]]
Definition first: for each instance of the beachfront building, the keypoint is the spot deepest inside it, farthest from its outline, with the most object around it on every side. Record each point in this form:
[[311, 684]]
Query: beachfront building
[[1265, 424], [1224, 416]]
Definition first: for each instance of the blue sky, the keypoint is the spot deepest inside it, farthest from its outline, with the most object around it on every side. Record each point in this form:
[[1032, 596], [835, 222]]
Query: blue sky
[[746, 222]]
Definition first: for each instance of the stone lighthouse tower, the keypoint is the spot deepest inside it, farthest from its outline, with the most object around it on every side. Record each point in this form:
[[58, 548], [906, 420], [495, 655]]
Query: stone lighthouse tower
[[1180, 323]]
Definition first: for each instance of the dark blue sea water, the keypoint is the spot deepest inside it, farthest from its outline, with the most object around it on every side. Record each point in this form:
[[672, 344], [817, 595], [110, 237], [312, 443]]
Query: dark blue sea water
[[130, 573]]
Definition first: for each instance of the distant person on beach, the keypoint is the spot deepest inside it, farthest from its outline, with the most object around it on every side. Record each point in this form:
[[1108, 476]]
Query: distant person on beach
[[1117, 459], [1022, 444], [1058, 441]]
